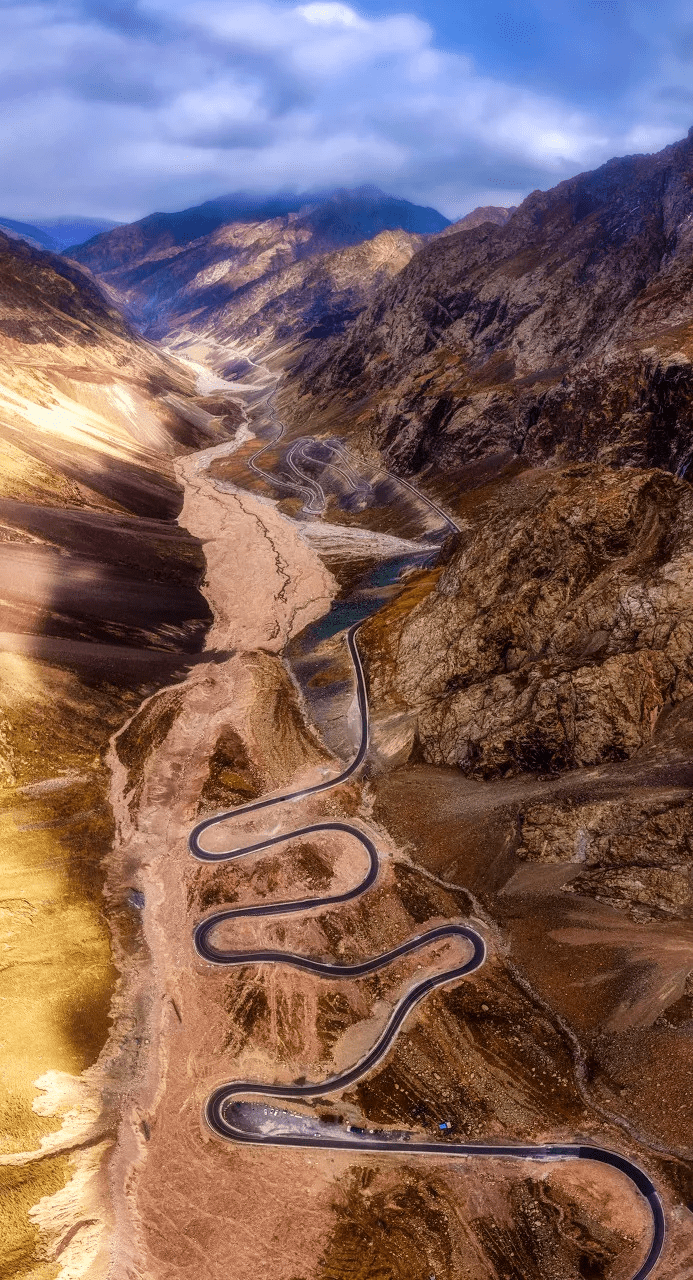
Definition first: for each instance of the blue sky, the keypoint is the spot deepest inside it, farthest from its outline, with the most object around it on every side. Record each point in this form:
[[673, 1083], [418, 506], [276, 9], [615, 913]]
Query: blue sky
[[115, 108]]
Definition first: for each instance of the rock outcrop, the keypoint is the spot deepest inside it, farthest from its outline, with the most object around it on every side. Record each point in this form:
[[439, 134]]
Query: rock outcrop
[[558, 631], [497, 214], [635, 853]]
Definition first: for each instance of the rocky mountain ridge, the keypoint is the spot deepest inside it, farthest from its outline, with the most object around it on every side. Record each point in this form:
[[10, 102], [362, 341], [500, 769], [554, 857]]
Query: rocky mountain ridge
[[268, 272], [305, 301], [341, 217], [496, 214], [562, 335]]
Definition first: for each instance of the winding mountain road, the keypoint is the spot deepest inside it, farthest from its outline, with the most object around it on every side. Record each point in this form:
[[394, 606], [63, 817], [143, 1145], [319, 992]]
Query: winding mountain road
[[222, 1112]]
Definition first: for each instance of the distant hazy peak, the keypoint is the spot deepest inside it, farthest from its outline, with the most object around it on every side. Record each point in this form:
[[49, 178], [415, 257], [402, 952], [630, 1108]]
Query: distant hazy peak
[[66, 231], [343, 216], [494, 213], [56, 234], [34, 235]]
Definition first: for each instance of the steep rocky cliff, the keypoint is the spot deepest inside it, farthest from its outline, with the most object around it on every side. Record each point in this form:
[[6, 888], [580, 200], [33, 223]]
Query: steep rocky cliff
[[559, 629], [554, 642], [563, 334]]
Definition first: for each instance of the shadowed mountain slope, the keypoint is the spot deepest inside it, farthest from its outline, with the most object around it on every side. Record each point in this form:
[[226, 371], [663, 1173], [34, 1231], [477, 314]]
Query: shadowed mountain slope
[[563, 334], [38, 237]]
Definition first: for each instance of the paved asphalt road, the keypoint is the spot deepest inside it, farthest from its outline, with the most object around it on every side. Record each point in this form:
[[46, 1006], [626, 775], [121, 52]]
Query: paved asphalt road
[[219, 1110]]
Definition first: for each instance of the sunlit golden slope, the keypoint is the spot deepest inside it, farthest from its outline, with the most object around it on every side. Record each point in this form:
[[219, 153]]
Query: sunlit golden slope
[[98, 606]]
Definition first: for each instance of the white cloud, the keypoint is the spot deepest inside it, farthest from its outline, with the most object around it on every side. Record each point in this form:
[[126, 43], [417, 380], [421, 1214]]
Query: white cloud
[[120, 109], [330, 15]]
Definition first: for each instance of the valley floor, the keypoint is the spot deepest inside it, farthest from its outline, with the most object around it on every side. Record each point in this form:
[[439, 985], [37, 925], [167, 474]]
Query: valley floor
[[498, 1057]]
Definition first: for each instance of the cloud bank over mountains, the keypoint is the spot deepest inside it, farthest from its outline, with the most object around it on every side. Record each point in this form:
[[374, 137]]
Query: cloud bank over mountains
[[117, 108]]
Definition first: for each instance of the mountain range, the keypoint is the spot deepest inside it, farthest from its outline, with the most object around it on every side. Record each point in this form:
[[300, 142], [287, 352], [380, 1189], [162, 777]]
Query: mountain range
[[271, 271]]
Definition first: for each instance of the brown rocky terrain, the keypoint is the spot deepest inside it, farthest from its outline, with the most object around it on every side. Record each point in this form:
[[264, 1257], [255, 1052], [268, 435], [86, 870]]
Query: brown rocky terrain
[[557, 637], [544, 658], [490, 1056], [306, 301], [557, 633], [561, 335]]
